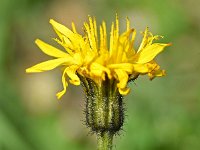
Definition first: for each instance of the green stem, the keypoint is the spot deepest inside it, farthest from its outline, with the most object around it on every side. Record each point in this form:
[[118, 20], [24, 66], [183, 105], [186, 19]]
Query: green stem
[[104, 140]]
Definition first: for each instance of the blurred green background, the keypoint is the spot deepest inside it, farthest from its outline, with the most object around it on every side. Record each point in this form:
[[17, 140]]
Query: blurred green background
[[161, 115]]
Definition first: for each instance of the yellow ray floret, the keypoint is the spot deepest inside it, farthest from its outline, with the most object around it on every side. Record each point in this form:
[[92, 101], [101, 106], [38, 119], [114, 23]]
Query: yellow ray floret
[[96, 57]]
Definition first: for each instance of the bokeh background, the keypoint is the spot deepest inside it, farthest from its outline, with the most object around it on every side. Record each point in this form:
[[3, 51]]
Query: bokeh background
[[163, 114]]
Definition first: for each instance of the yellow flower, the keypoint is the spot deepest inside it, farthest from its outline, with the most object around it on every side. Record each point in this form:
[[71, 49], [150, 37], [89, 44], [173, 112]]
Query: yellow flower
[[91, 56]]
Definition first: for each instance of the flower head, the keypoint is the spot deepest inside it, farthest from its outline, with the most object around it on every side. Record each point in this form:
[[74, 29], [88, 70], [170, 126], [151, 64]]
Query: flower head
[[92, 56]]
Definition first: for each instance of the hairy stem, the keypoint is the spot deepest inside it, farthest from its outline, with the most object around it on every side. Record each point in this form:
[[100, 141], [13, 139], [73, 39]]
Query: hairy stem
[[104, 140]]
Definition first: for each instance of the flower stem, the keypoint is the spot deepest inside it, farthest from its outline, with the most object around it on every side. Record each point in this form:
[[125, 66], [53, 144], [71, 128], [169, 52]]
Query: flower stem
[[104, 140]]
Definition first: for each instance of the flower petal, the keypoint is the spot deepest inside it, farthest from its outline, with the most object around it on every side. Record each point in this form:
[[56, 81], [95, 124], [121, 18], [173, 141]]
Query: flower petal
[[145, 39], [124, 91], [71, 39], [91, 31], [111, 38], [65, 85], [148, 53], [71, 72], [148, 39], [103, 38], [128, 67], [122, 78], [156, 73], [49, 65], [61, 29], [98, 70], [50, 50], [140, 68]]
